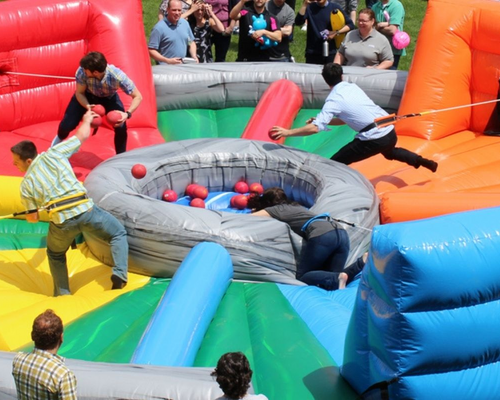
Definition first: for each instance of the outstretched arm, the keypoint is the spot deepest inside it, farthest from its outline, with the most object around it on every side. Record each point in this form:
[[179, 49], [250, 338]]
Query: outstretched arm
[[278, 132], [83, 132]]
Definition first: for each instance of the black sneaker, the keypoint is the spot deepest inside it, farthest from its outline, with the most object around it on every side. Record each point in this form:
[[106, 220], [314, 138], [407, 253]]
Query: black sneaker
[[118, 283], [429, 164]]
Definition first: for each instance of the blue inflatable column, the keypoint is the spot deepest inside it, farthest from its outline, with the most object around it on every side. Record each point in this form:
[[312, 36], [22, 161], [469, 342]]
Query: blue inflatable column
[[427, 313], [178, 325]]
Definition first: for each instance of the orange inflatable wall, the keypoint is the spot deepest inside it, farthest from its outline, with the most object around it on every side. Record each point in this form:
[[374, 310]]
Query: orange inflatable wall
[[51, 40], [456, 62]]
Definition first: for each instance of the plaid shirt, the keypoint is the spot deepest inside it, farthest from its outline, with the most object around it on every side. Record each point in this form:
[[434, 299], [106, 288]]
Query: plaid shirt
[[113, 79], [50, 177], [42, 375]]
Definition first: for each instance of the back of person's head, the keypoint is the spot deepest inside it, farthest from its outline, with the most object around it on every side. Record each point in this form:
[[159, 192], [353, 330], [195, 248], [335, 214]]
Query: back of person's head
[[94, 61], [233, 374], [25, 150], [47, 330], [271, 197], [332, 74]]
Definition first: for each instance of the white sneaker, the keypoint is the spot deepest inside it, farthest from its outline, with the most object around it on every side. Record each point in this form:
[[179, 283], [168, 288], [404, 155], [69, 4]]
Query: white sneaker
[[304, 28]]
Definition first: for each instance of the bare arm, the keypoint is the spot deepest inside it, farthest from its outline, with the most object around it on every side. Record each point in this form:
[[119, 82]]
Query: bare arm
[[192, 51], [80, 96], [387, 29], [339, 59], [155, 55], [385, 64], [273, 35], [83, 132], [215, 23], [278, 132], [261, 213], [235, 12], [136, 100]]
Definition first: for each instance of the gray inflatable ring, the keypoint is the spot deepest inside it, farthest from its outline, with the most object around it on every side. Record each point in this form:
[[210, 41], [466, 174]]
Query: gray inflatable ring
[[160, 234]]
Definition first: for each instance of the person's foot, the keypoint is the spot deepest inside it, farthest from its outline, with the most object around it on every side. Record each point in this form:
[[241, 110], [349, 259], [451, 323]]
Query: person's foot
[[342, 280], [118, 283], [429, 164]]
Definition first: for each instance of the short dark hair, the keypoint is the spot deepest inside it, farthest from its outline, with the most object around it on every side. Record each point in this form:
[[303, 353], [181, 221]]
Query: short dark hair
[[94, 61], [332, 74], [271, 197], [47, 330], [233, 374], [25, 150]]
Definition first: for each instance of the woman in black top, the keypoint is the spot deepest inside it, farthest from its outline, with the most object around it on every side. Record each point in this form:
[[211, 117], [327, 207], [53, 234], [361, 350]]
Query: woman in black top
[[326, 244]]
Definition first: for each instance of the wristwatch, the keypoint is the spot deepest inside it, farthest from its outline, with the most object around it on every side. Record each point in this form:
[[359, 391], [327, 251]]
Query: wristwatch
[[129, 114]]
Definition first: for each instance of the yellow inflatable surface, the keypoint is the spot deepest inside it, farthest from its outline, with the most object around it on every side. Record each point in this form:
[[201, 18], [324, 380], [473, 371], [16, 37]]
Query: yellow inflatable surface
[[26, 290]]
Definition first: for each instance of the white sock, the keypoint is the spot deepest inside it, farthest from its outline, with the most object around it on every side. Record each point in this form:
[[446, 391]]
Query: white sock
[[56, 141]]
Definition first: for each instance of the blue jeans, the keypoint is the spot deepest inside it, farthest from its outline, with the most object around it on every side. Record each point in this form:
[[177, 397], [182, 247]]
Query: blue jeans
[[322, 258], [74, 113], [100, 224]]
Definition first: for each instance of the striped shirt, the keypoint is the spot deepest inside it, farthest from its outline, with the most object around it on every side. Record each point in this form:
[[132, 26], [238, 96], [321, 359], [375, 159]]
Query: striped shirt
[[113, 79], [42, 375], [348, 102], [50, 177]]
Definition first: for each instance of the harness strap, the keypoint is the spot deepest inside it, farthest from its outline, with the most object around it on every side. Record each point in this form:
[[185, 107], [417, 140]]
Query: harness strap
[[66, 202], [315, 218]]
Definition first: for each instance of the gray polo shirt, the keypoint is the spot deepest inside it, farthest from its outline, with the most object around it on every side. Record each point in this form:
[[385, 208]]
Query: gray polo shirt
[[370, 51]]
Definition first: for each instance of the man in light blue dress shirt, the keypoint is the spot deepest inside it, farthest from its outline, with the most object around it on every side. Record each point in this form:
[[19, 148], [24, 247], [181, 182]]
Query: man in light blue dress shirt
[[348, 104]]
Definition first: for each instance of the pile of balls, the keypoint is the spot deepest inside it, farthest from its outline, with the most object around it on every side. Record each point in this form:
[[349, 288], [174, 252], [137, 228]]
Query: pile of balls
[[198, 193], [113, 116], [240, 201]]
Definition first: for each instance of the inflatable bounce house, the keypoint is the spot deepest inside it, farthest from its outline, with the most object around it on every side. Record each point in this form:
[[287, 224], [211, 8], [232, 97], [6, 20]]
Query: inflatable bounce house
[[420, 321]]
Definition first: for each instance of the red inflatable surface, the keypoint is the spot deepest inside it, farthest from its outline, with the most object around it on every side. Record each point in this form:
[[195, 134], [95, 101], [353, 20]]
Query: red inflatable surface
[[53, 37]]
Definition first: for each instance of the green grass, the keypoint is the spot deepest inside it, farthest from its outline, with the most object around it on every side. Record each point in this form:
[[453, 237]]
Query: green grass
[[415, 11]]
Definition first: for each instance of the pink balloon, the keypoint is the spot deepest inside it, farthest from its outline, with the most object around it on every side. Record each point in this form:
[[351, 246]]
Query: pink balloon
[[400, 40]]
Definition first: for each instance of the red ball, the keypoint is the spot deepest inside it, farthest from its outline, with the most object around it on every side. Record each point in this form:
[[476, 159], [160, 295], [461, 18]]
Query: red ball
[[113, 117], [270, 133], [190, 189], [96, 122], [197, 203], [256, 188], [241, 187], [169, 195], [99, 110], [139, 171], [200, 192], [240, 201]]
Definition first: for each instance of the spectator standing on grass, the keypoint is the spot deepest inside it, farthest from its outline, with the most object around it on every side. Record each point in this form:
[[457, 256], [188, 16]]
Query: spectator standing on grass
[[222, 40], [390, 16], [172, 39], [286, 18], [203, 22], [365, 46], [319, 29], [249, 47]]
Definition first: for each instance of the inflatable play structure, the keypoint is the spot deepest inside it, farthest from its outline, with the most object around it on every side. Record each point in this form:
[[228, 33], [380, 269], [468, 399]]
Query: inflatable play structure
[[404, 327]]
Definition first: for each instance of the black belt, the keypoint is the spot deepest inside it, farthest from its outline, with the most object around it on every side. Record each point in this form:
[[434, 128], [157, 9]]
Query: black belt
[[66, 202], [368, 127]]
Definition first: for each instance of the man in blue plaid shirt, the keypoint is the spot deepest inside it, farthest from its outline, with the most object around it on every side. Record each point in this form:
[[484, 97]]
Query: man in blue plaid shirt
[[97, 82], [41, 374]]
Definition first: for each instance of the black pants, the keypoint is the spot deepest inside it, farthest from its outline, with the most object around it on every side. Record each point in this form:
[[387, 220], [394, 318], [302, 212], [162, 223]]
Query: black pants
[[319, 59], [221, 43], [358, 150], [75, 111]]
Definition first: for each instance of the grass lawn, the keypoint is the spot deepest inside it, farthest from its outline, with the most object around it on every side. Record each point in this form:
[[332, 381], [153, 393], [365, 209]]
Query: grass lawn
[[415, 11]]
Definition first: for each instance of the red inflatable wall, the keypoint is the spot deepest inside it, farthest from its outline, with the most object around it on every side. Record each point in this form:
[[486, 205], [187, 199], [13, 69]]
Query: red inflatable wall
[[51, 40]]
